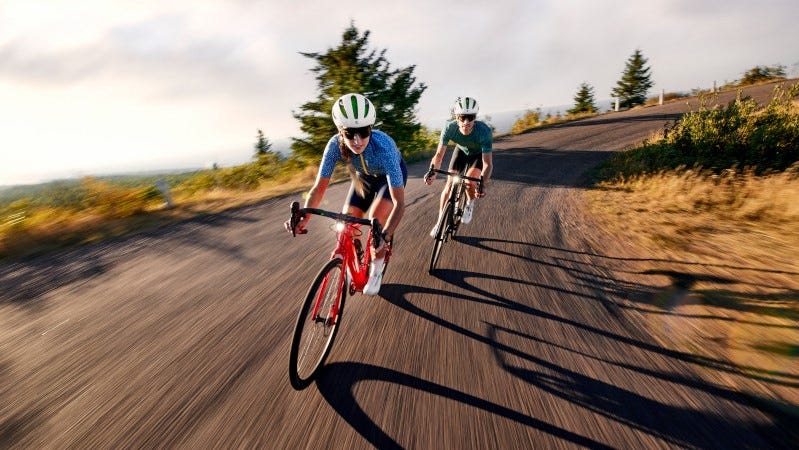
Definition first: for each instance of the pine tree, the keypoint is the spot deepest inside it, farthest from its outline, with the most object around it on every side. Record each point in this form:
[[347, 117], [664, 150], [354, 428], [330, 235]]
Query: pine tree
[[762, 73], [352, 67], [262, 146], [634, 83], [264, 156], [584, 100]]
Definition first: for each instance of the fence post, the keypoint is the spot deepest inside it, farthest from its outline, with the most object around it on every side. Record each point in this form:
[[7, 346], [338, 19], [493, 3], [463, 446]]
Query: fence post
[[617, 105], [163, 187], [662, 92]]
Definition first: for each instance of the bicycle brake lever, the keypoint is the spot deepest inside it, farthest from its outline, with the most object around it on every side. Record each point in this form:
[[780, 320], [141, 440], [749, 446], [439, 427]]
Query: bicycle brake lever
[[295, 208], [376, 233], [430, 173]]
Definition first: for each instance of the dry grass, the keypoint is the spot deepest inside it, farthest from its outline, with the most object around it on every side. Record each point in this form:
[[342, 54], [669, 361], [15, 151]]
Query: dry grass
[[729, 244], [46, 229]]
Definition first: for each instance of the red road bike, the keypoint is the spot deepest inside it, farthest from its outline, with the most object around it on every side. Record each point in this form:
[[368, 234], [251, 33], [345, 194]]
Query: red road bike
[[347, 271]]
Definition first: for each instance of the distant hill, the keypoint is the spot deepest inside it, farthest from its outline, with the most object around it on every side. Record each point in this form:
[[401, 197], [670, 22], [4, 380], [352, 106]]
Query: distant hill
[[503, 121], [10, 194]]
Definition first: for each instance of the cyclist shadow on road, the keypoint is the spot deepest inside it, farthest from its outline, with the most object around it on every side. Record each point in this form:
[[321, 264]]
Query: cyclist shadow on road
[[615, 293], [685, 426], [600, 397], [337, 385]]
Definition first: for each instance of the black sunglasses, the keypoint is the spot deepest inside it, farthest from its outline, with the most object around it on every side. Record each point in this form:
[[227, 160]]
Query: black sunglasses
[[467, 117], [363, 132]]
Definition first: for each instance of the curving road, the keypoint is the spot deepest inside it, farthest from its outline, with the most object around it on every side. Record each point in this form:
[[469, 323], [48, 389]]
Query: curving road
[[523, 339]]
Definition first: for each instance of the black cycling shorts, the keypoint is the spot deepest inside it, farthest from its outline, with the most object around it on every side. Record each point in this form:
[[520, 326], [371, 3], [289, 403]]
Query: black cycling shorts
[[373, 185], [461, 160]]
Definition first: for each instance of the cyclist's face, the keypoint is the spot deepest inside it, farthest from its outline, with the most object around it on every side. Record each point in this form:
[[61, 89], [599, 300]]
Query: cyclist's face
[[357, 139], [466, 123]]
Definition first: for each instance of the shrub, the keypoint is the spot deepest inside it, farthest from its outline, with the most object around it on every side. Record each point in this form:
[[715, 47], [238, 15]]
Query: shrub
[[529, 120], [740, 134], [759, 74]]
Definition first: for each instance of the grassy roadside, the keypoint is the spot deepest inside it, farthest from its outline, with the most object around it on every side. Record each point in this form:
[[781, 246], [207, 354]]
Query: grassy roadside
[[41, 230], [93, 210], [721, 241]]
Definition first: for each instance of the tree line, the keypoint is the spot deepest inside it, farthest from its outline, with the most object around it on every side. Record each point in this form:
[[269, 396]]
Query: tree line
[[353, 66]]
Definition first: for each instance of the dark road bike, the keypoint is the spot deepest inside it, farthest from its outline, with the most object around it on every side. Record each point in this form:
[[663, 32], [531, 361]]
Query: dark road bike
[[451, 218], [346, 272]]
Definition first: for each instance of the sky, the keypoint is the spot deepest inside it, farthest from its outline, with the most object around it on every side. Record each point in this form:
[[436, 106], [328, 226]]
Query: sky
[[95, 86]]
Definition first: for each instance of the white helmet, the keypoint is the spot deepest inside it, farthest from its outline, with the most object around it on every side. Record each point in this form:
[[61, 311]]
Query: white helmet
[[353, 111], [465, 105]]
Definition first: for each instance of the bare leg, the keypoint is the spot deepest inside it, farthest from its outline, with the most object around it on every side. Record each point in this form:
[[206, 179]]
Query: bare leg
[[381, 211], [471, 190]]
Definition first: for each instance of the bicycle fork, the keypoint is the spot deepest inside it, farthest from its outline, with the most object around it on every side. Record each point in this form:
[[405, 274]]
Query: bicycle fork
[[333, 313]]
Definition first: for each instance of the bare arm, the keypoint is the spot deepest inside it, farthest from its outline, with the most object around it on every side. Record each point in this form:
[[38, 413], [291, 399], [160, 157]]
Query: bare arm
[[394, 218], [439, 156], [315, 196], [488, 166], [436, 162]]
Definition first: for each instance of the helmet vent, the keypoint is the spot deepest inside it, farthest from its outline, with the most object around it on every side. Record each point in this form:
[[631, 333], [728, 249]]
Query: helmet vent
[[354, 106]]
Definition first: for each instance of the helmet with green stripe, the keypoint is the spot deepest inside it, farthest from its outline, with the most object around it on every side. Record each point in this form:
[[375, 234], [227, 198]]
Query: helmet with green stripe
[[353, 111], [465, 105]]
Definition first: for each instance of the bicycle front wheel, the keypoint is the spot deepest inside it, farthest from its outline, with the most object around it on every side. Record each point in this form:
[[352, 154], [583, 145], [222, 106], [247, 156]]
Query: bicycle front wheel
[[317, 324], [458, 212], [441, 236]]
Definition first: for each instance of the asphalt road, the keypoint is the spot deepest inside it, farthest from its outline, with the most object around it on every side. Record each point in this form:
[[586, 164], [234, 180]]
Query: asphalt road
[[180, 337]]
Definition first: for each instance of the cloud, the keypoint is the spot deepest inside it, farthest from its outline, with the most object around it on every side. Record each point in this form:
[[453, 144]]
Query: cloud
[[186, 78]]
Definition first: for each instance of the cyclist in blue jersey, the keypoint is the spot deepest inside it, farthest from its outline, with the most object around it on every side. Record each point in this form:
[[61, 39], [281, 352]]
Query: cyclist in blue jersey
[[473, 146], [377, 170]]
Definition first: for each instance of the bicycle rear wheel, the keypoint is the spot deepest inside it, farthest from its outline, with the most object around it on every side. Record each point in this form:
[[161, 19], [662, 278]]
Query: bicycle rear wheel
[[441, 236], [317, 324]]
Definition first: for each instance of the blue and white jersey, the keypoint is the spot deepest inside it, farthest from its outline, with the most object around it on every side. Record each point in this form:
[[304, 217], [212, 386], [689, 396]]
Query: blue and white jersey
[[380, 157]]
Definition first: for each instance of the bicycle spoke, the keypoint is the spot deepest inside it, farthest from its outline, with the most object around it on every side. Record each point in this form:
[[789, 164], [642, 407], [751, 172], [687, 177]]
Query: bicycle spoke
[[441, 236], [317, 324]]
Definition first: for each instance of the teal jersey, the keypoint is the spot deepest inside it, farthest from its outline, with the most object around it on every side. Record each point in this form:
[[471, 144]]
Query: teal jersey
[[480, 140]]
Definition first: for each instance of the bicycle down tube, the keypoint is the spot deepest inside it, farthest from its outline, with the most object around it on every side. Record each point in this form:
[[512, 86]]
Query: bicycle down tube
[[450, 217], [319, 316]]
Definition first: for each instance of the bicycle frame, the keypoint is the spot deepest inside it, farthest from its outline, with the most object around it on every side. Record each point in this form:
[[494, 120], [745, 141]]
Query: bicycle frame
[[347, 230], [450, 217], [457, 194], [347, 271], [345, 248]]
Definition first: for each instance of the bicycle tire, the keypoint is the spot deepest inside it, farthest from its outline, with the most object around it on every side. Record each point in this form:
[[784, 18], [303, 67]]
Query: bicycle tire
[[303, 367], [441, 236], [457, 213]]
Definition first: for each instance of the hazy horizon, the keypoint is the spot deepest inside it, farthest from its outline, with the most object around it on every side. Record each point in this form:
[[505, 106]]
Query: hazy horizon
[[502, 121], [131, 86]]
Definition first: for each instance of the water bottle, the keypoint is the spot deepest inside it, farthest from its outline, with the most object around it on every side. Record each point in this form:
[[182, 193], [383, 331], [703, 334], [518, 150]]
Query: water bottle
[[358, 248]]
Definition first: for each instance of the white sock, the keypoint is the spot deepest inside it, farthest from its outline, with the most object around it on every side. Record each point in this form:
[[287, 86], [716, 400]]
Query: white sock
[[376, 266]]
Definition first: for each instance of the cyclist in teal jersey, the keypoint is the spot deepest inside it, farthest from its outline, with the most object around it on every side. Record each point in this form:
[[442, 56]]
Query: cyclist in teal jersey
[[377, 170], [473, 146]]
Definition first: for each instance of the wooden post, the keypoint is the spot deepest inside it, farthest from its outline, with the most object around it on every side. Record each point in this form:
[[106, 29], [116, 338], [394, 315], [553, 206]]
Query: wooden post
[[163, 187]]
